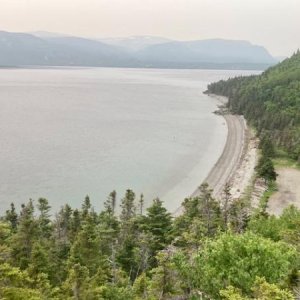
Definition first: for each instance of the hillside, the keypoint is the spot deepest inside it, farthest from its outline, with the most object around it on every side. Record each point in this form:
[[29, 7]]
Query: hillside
[[22, 49], [230, 54], [135, 43], [270, 101], [47, 49]]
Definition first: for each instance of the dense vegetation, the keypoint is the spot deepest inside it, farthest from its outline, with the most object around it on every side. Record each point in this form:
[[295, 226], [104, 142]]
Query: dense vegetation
[[208, 252], [270, 101]]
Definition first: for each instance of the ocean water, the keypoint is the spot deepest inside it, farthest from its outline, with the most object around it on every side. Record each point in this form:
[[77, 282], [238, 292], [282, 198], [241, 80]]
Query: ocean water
[[68, 133]]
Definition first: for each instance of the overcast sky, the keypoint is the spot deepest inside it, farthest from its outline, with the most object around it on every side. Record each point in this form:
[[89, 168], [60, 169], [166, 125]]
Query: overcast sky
[[274, 24]]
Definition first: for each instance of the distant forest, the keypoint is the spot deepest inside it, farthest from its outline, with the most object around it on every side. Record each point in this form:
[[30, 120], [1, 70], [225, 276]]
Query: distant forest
[[270, 102]]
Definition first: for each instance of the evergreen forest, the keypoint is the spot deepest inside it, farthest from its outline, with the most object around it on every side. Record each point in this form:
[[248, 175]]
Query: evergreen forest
[[207, 252], [270, 102]]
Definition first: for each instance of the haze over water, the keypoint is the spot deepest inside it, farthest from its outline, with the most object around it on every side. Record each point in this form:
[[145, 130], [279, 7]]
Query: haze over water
[[66, 133]]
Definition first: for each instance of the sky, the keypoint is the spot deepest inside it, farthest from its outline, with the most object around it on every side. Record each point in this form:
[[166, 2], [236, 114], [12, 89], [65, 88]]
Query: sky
[[274, 24]]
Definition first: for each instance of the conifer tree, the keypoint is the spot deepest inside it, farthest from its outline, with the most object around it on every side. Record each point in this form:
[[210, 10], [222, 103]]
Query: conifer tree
[[159, 223], [128, 206], [44, 222], [141, 204], [265, 169], [86, 248], [12, 217], [25, 236], [111, 202]]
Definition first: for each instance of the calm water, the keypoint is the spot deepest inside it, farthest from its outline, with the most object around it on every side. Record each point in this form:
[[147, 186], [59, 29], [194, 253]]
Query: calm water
[[66, 133]]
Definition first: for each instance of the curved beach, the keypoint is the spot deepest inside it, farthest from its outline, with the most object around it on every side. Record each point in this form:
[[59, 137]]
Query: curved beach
[[230, 159]]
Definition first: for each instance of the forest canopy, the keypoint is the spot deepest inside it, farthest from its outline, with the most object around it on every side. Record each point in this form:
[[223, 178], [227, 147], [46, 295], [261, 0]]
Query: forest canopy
[[270, 102], [208, 252]]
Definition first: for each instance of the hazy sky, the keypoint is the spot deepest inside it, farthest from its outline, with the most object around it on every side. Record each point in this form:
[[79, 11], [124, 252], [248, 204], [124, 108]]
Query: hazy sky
[[274, 24]]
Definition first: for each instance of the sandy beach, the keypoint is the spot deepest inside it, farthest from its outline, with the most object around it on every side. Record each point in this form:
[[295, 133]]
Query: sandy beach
[[237, 161], [231, 156]]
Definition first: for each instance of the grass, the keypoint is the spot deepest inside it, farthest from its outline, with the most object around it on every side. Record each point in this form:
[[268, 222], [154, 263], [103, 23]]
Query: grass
[[249, 190], [283, 160], [272, 188]]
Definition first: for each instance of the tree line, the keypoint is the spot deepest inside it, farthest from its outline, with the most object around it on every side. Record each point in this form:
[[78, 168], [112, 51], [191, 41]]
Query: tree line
[[210, 251], [270, 102]]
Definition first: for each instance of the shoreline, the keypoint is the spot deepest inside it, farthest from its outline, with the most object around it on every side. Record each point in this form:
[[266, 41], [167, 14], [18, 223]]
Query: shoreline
[[231, 157], [237, 161]]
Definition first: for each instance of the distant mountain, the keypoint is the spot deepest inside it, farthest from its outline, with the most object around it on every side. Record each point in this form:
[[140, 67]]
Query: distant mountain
[[198, 53], [86, 52], [47, 34], [136, 43], [22, 49], [48, 49], [17, 49]]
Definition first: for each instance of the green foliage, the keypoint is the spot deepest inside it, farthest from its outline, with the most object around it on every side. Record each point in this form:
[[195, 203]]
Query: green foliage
[[12, 217], [44, 223], [238, 259], [232, 293], [110, 203], [266, 291], [267, 147], [267, 226], [80, 254], [263, 202], [128, 206], [265, 169], [285, 227], [17, 285], [261, 290], [25, 236], [238, 215], [201, 218], [164, 283], [158, 223], [271, 102]]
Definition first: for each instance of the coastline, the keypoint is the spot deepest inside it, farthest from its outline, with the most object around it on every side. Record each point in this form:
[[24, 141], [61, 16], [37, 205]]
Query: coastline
[[230, 159], [237, 161], [239, 158], [236, 165]]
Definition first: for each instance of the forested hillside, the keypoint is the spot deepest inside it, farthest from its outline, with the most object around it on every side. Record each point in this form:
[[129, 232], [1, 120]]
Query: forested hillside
[[270, 101], [209, 252]]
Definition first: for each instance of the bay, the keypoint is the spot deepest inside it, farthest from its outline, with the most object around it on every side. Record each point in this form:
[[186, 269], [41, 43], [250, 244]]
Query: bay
[[70, 132]]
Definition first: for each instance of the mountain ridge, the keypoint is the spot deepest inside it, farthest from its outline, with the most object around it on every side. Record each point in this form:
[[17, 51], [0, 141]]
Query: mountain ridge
[[49, 49]]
